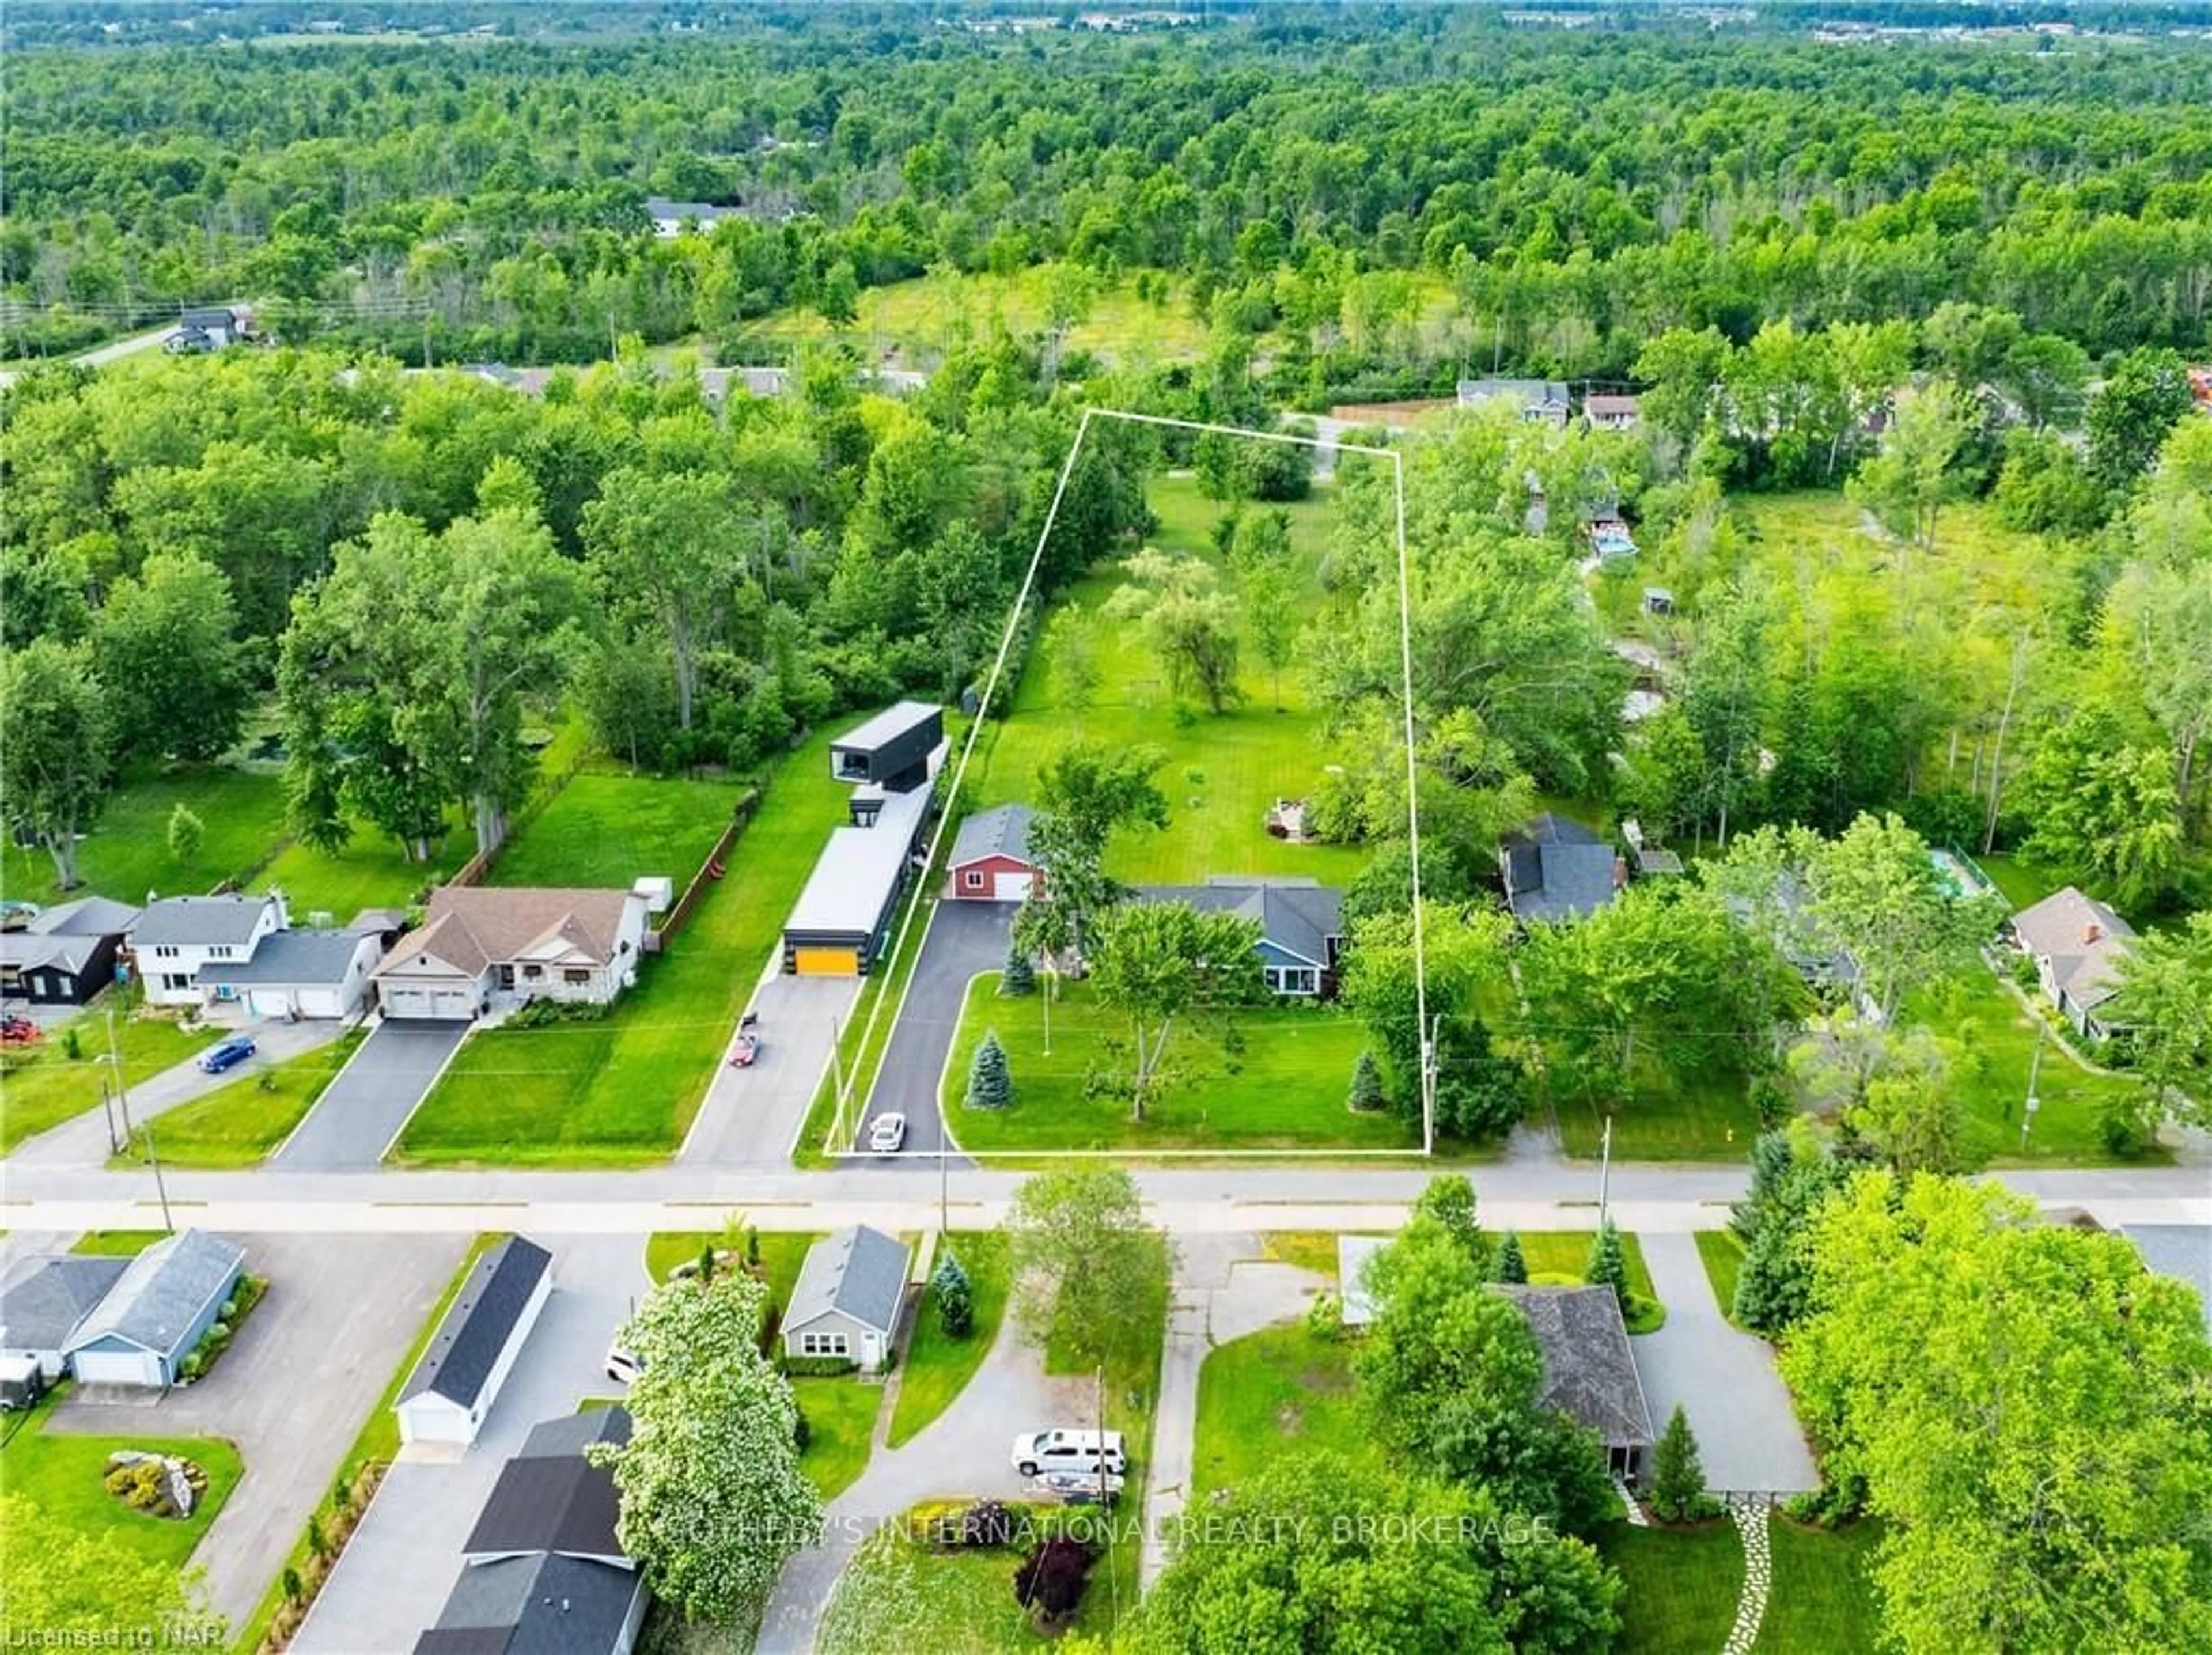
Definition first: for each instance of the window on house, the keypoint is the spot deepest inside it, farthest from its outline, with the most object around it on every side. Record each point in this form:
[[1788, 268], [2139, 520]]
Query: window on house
[[1274, 978], [533, 972], [823, 1344], [975, 879], [1298, 980], [576, 976], [174, 981]]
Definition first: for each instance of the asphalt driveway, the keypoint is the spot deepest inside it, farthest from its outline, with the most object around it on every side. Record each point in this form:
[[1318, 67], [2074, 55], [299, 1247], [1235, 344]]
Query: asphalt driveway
[[964, 939], [403, 1559], [1747, 1434], [361, 1112], [751, 1116], [292, 1392]]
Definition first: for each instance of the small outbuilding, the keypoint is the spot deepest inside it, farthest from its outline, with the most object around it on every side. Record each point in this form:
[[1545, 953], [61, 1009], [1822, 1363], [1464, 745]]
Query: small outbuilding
[[991, 856], [45, 1298], [848, 1298], [319, 974], [66, 954], [453, 1387], [148, 1322]]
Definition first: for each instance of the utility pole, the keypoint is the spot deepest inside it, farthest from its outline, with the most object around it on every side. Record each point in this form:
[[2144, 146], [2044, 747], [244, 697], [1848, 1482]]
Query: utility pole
[[1604, 1169], [2035, 1072], [115, 1061], [161, 1188], [1432, 1036]]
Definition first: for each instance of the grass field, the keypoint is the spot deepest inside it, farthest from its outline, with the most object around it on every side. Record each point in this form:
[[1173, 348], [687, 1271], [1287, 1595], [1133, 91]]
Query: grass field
[[898, 1595], [1222, 773], [781, 1254], [1286, 1088], [51, 1086], [841, 1418], [60, 1474], [126, 853], [369, 871], [606, 829], [936, 1367], [623, 1090], [240, 1123], [117, 1243], [1723, 1255], [1681, 1586], [1280, 1390], [1559, 1257], [1823, 1598]]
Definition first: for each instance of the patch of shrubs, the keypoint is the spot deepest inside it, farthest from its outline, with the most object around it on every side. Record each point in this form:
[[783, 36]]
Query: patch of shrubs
[[545, 1014], [217, 1340], [1049, 1583]]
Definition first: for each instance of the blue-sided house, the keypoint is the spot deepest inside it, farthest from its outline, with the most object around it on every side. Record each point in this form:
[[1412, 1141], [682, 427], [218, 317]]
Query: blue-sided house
[[1301, 927], [149, 1322]]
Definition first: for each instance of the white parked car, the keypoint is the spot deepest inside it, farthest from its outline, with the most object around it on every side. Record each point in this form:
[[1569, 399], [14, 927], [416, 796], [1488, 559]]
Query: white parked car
[[622, 1366], [886, 1133], [1039, 1452]]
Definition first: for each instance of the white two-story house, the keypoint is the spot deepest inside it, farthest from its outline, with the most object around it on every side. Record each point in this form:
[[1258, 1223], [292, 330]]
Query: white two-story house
[[174, 936]]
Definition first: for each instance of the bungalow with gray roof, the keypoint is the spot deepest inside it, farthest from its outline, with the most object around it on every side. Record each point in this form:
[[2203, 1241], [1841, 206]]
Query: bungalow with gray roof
[[458, 1378], [2077, 944], [149, 1322], [848, 1296], [1555, 869], [45, 1299], [1589, 1372], [1301, 926], [1539, 402], [479, 946]]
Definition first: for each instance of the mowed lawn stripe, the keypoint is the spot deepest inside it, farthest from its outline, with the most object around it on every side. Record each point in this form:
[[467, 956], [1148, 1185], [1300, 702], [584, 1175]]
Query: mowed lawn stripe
[[623, 1090]]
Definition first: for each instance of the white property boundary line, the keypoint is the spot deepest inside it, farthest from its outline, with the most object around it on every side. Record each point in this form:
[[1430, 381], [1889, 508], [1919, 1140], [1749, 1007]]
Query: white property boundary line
[[831, 1146]]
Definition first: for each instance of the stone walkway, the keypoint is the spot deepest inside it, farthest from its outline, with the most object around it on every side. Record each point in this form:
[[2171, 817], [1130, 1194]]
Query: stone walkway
[[1751, 1516]]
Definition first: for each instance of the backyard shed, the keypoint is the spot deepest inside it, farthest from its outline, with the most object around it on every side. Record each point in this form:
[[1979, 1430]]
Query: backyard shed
[[847, 1298], [149, 1322], [453, 1387]]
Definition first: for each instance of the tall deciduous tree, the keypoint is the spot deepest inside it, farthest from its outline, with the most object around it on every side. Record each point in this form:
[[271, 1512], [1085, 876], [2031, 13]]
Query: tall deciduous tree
[[2105, 809], [1876, 892], [165, 653], [1070, 649], [79, 1589], [669, 543], [1271, 612], [2164, 1002], [1477, 1093], [1910, 477], [2144, 396], [1083, 1261], [1158, 962], [713, 1501], [2022, 1404], [1190, 622], [55, 744]]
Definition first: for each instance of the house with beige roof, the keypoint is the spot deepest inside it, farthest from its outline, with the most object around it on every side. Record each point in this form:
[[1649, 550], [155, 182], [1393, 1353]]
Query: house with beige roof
[[486, 947], [2077, 944]]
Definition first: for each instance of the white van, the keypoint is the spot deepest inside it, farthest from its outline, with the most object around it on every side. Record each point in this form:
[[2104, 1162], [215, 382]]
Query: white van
[[1038, 1452]]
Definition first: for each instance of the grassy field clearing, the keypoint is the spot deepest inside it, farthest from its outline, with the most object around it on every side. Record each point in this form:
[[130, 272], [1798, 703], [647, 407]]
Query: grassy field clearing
[[239, 1123], [51, 1086]]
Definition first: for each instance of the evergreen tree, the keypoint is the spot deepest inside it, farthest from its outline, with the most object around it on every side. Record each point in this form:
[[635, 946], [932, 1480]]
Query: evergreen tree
[[1608, 1264], [1511, 1267], [1366, 1084], [1020, 976], [990, 1082], [1678, 1477], [956, 1304]]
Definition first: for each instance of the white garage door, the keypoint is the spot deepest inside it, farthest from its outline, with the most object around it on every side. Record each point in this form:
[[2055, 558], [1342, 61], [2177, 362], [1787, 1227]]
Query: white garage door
[[1012, 887], [271, 1002], [118, 1367], [428, 1002]]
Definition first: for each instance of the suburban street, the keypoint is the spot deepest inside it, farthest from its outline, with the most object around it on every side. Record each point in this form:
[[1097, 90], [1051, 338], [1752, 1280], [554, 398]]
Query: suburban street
[[962, 939]]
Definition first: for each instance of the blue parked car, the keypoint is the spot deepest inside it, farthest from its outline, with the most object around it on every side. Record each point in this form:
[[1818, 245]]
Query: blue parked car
[[229, 1053]]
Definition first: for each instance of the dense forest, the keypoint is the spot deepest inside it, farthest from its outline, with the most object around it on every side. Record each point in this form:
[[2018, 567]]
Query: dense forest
[[1565, 196]]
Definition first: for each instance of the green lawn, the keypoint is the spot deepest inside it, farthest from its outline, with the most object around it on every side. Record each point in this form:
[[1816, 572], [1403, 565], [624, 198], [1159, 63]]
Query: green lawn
[[1674, 1113], [50, 1088], [898, 1595], [2000, 1036], [2022, 884], [1558, 1257], [1823, 1597], [1286, 1088], [127, 854], [1222, 773], [61, 1474], [1681, 1586], [240, 1123], [781, 1254], [1309, 1249], [120, 1244], [371, 870], [623, 1090], [936, 1367], [1280, 1390], [841, 1414], [1723, 1259], [378, 1442], [607, 828]]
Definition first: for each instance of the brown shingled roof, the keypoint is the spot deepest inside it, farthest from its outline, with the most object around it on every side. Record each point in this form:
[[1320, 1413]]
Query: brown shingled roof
[[470, 926]]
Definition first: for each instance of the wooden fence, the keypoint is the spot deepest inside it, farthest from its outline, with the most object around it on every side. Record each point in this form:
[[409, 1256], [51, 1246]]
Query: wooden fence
[[713, 867]]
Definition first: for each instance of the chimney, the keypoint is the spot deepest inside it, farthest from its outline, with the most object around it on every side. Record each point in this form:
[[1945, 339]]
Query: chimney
[[2093, 931]]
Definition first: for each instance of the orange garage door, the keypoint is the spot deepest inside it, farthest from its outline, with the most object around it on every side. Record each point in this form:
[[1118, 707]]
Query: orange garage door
[[826, 962]]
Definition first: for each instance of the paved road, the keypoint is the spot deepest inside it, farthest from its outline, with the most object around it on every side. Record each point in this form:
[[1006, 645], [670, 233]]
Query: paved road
[[403, 1559], [963, 1453], [751, 1117], [292, 1392], [360, 1113], [1740, 1410], [107, 353], [83, 1140], [962, 939]]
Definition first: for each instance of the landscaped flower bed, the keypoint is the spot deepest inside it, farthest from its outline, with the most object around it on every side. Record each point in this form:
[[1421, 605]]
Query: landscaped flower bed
[[157, 1484], [217, 1340]]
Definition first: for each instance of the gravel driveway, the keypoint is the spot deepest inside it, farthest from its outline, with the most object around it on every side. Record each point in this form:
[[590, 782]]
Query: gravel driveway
[[964, 939], [292, 1390]]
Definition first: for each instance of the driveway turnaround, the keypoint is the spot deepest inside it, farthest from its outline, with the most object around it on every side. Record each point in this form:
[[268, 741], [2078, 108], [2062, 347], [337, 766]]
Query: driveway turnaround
[[84, 1140], [292, 1392], [361, 1112], [963, 1453], [1724, 1379], [399, 1564], [751, 1116], [964, 939]]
